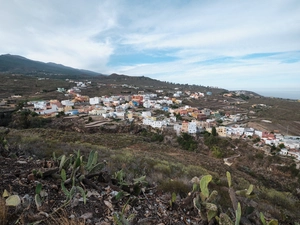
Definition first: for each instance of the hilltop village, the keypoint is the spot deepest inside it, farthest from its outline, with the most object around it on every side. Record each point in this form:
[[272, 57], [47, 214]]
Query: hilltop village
[[165, 113]]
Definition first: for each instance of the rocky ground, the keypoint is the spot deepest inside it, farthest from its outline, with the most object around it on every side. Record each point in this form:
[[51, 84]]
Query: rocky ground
[[101, 207]]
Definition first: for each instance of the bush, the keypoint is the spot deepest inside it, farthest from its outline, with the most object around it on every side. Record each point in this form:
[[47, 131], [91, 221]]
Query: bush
[[210, 140], [187, 142], [163, 167], [259, 155], [176, 186], [216, 151]]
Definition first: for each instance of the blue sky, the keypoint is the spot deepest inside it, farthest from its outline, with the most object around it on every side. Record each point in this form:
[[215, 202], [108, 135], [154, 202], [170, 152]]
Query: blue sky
[[252, 45]]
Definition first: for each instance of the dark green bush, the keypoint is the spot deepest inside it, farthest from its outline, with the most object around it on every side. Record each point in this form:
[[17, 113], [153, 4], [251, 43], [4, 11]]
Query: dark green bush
[[187, 142]]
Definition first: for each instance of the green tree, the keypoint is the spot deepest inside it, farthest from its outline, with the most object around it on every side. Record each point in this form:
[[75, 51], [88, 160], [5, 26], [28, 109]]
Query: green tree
[[214, 131], [187, 142], [216, 151]]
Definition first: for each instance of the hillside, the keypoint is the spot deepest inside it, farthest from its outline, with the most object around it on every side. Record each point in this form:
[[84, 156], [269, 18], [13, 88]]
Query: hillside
[[140, 175], [132, 155], [18, 64]]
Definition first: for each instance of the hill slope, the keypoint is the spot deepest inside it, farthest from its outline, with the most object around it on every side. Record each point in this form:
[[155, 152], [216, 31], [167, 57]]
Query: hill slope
[[18, 64]]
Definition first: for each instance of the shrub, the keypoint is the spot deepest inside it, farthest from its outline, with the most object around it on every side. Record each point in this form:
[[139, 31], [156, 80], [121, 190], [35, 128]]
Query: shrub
[[163, 167], [187, 142], [259, 155], [216, 151], [176, 186]]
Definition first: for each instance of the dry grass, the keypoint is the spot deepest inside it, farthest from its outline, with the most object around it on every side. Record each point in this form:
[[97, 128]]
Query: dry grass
[[3, 212], [62, 218]]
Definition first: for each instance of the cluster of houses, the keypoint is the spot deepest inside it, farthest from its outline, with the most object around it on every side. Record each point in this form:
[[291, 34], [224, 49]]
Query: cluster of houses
[[142, 108]]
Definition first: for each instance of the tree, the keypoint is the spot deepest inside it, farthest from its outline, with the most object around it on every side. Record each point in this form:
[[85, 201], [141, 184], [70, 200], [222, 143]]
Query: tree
[[214, 131], [187, 142]]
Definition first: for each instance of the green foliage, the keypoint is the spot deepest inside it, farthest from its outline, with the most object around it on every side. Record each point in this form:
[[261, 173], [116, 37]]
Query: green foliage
[[178, 117], [228, 175], [225, 219], [204, 185], [255, 140], [120, 176], [217, 152], [25, 119], [214, 131], [152, 136], [259, 155], [77, 169], [187, 142], [264, 222], [238, 214], [174, 186], [210, 140], [204, 201], [173, 199], [120, 218], [38, 188]]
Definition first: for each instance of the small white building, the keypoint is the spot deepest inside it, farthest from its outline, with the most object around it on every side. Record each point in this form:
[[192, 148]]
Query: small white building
[[146, 114], [119, 115], [95, 101], [97, 112], [67, 103], [192, 127], [258, 133], [249, 131], [295, 154], [147, 104]]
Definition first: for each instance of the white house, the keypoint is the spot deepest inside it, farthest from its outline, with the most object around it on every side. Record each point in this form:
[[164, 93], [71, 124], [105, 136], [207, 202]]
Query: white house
[[258, 133], [234, 131], [157, 106], [295, 154], [192, 127], [146, 114], [147, 104], [292, 144], [119, 115], [249, 131], [95, 101], [67, 103], [97, 112], [39, 104], [52, 109]]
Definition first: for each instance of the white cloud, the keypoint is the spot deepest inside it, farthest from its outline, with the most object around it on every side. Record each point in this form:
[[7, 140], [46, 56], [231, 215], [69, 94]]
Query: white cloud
[[198, 33]]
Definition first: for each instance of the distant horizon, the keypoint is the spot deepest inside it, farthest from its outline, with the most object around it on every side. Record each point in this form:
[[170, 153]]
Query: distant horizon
[[293, 95]]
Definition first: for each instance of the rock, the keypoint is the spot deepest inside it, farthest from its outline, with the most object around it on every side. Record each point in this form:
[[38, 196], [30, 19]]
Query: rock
[[30, 177], [86, 216], [108, 204]]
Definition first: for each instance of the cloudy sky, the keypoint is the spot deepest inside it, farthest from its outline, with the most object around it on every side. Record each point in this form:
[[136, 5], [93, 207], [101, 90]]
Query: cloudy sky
[[252, 45]]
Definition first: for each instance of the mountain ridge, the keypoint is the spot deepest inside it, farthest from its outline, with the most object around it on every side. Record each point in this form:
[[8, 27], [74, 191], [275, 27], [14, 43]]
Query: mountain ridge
[[19, 64]]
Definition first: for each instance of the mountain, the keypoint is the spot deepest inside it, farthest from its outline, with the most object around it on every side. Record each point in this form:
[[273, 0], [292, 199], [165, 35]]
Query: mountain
[[18, 64]]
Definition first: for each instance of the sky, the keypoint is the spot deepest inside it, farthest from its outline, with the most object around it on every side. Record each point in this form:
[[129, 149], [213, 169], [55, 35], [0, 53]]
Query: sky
[[237, 45]]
